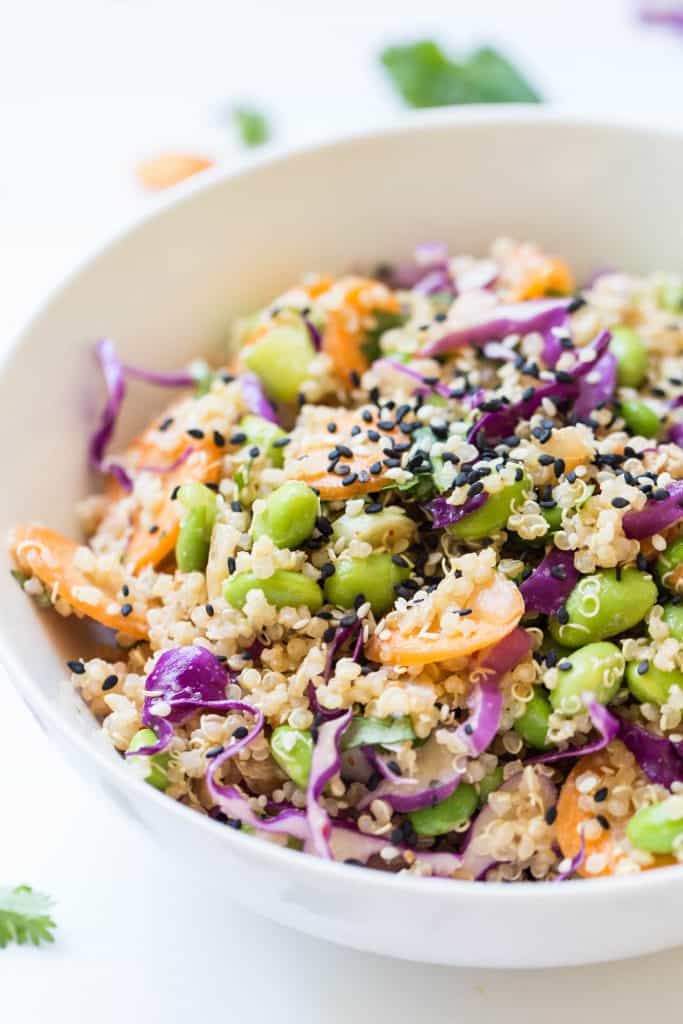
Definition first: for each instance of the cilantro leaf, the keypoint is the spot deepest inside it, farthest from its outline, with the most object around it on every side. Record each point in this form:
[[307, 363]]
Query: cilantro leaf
[[426, 77], [252, 126], [24, 917], [383, 321]]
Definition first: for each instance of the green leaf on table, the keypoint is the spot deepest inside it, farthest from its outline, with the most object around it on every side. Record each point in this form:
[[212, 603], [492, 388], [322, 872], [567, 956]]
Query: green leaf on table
[[252, 126], [426, 77], [24, 917]]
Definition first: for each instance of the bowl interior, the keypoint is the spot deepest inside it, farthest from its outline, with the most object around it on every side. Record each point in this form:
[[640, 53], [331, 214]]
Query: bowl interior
[[168, 289]]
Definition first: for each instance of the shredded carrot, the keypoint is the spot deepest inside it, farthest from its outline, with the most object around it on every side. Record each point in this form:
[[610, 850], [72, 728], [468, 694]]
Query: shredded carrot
[[169, 169], [571, 819], [495, 611], [532, 274], [307, 457], [52, 558], [344, 332]]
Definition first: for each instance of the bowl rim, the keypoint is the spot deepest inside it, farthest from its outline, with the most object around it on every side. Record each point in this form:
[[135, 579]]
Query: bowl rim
[[113, 768]]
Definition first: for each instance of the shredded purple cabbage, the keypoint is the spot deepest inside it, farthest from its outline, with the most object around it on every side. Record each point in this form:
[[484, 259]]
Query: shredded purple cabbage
[[444, 515], [180, 379], [665, 15], [176, 464], [435, 777], [660, 759], [313, 333], [494, 426], [603, 721], [255, 398], [517, 318], [656, 515], [595, 393], [426, 385], [676, 434], [185, 679], [325, 763], [115, 381], [543, 591]]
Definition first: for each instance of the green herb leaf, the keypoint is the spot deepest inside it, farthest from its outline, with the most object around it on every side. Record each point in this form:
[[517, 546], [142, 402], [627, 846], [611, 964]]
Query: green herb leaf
[[24, 917], [252, 126], [383, 321], [426, 77]]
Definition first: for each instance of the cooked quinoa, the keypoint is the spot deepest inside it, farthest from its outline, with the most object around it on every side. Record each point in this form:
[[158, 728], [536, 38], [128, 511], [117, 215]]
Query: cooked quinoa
[[401, 585]]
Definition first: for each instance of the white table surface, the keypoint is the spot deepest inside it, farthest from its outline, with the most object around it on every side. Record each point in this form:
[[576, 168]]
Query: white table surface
[[85, 89]]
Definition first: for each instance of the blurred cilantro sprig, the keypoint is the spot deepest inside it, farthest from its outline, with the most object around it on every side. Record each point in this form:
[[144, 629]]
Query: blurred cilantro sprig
[[252, 126], [425, 76], [25, 917]]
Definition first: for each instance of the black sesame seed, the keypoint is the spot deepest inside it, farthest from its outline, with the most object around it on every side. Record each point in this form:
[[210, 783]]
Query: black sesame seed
[[165, 424], [643, 668], [660, 494], [126, 609], [110, 682], [77, 667], [373, 508], [562, 615], [348, 480], [280, 442], [550, 815], [601, 794], [240, 732], [238, 438], [125, 590], [218, 439], [400, 561], [602, 821], [232, 565], [373, 435], [329, 634], [208, 608], [348, 620], [620, 502], [196, 432], [153, 528], [565, 666], [254, 451], [558, 572], [332, 427], [236, 506], [215, 751], [326, 571]]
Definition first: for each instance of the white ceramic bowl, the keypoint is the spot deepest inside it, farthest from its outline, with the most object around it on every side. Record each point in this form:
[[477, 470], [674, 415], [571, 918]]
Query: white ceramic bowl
[[166, 290]]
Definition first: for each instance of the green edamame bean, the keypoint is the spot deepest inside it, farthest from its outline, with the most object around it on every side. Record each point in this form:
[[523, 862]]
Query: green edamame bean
[[293, 751], [669, 567], [156, 766], [650, 684], [374, 577], [630, 352], [596, 669], [281, 359], [264, 434], [492, 516], [532, 725], [640, 418], [284, 589], [382, 529], [289, 515], [603, 605], [673, 616], [194, 537], [671, 297], [490, 783], [448, 815], [658, 828], [362, 732]]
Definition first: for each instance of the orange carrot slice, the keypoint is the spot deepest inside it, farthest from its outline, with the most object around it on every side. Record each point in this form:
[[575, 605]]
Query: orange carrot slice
[[308, 453], [52, 558], [532, 274], [495, 611], [344, 332], [168, 169], [150, 548], [202, 465], [571, 817]]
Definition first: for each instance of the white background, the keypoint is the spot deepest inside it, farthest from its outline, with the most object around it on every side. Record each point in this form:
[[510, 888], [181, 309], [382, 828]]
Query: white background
[[86, 88]]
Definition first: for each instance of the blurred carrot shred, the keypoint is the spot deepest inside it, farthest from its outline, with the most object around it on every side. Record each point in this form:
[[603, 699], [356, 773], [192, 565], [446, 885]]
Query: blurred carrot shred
[[168, 169]]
